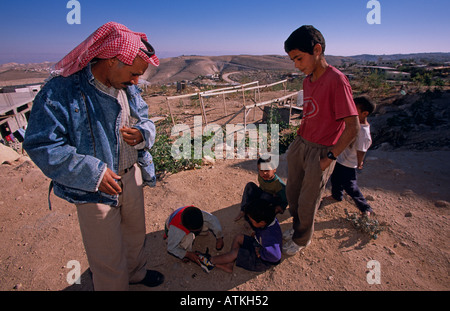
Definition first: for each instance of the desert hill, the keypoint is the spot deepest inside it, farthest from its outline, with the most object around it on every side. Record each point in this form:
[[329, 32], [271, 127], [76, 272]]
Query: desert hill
[[172, 69], [19, 74], [430, 57], [189, 67]]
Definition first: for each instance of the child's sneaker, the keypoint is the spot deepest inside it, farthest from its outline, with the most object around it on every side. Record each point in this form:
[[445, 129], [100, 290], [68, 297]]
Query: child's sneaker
[[205, 261], [291, 248], [287, 235]]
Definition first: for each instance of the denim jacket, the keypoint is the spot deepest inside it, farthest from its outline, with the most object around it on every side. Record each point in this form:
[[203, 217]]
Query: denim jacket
[[73, 135]]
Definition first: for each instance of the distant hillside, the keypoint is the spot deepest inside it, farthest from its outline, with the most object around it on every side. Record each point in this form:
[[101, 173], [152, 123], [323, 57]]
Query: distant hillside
[[190, 67], [417, 57], [13, 74], [19, 74]]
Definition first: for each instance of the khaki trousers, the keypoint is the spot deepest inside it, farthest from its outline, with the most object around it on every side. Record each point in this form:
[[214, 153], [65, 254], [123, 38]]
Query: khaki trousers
[[305, 184], [114, 236]]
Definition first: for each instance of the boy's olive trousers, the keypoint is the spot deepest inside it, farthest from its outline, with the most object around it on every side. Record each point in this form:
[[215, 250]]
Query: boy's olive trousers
[[305, 184]]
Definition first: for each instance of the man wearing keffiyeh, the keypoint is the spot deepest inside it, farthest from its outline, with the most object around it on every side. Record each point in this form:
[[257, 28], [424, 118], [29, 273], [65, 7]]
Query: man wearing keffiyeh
[[85, 129]]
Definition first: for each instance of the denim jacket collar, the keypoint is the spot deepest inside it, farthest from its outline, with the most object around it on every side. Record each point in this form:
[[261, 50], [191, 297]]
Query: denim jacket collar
[[131, 91]]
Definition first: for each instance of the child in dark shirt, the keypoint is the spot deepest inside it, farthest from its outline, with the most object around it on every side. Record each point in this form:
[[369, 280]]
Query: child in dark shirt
[[258, 252], [271, 189]]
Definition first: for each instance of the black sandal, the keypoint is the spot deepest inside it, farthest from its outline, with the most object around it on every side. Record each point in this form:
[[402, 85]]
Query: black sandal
[[152, 278]]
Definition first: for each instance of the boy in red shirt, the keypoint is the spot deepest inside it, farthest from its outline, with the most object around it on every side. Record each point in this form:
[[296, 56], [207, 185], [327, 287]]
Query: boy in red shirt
[[329, 125]]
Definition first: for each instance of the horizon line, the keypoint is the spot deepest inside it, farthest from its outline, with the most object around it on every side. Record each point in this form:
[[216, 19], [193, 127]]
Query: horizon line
[[235, 54]]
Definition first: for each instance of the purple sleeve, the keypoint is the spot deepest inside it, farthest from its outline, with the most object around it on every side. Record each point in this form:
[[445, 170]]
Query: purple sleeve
[[270, 240]]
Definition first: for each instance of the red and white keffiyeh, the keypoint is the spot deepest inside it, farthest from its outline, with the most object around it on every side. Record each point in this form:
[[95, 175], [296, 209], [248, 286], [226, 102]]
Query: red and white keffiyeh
[[110, 40]]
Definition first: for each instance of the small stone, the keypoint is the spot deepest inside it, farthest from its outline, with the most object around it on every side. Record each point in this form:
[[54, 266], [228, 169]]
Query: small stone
[[389, 250], [370, 198], [407, 192], [408, 214], [441, 204], [207, 160], [18, 286]]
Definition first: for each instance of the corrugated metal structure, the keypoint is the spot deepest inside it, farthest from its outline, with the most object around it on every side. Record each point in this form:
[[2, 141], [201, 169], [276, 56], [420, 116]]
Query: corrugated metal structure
[[14, 110]]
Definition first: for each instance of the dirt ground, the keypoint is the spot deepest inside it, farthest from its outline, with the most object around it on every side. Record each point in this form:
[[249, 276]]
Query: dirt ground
[[407, 190]]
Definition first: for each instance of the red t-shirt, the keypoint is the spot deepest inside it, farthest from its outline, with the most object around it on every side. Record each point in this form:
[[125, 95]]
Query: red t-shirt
[[326, 102]]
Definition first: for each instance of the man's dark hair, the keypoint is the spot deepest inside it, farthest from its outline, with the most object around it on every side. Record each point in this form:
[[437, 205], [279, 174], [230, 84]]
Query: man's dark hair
[[305, 39], [192, 218], [365, 103], [261, 210]]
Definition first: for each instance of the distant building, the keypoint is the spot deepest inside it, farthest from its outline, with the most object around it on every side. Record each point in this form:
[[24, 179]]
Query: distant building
[[143, 84], [29, 88], [441, 71], [388, 63], [397, 75], [15, 111], [292, 75], [213, 77], [389, 72], [21, 88], [181, 86]]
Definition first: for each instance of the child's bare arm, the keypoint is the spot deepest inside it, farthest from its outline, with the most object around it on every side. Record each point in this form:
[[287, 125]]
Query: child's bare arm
[[360, 156]]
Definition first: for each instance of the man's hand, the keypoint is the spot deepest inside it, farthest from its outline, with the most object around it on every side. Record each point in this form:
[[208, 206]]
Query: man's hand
[[108, 184], [131, 136]]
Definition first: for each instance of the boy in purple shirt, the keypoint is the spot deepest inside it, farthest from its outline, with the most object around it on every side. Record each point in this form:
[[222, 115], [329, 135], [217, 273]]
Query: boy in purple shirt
[[257, 252]]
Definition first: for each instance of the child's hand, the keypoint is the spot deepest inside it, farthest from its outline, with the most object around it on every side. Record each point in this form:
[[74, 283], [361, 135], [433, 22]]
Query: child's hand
[[325, 163], [257, 252], [219, 244], [192, 257]]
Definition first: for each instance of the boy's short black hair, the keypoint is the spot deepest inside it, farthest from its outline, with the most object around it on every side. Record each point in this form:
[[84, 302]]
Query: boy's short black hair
[[192, 218], [261, 210], [364, 103], [305, 39], [264, 159]]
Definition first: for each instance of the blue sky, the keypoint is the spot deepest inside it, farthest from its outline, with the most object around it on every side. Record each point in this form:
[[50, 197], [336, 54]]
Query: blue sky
[[36, 31]]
